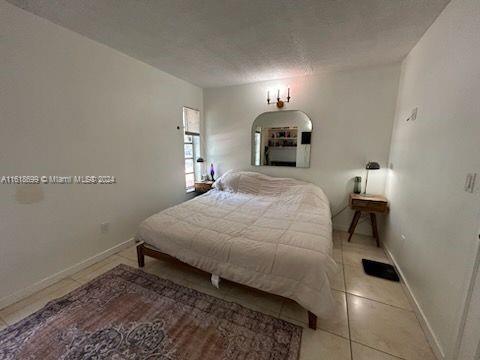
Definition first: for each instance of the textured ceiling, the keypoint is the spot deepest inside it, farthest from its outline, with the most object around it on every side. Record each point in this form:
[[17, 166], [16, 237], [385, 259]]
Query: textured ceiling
[[225, 42]]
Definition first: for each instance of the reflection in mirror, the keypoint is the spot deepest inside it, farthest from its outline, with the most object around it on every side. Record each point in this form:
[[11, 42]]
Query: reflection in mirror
[[281, 138]]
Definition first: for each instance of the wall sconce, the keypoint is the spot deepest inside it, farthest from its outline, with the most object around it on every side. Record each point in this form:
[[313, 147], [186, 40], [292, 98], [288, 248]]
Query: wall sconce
[[279, 102]]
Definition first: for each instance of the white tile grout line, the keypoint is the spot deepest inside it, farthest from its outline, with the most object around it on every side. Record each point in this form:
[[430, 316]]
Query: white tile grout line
[[53, 284], [380, 302], [75, 281], [304, 325], [348, 315], [381, 351], [283, 304], [346, 303]]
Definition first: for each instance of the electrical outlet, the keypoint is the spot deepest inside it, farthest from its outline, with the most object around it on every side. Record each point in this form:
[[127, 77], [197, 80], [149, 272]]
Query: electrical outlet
[[104, 227]]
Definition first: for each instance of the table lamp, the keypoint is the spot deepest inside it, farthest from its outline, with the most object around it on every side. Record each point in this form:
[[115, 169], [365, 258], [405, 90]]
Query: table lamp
[[201, 161], [371, 165]]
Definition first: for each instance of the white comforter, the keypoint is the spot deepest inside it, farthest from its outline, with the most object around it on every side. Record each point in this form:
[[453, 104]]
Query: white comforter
[[268, 233]]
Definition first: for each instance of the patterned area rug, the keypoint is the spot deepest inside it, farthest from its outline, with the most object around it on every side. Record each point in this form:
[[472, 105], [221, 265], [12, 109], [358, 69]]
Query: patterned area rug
[[129, 314]]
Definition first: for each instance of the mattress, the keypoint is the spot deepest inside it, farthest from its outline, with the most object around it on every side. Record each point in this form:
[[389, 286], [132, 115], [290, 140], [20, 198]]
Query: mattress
[[273, 234]]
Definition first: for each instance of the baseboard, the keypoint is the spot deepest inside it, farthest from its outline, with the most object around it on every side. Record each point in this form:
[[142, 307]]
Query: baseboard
[[427, 329], [42, 284]]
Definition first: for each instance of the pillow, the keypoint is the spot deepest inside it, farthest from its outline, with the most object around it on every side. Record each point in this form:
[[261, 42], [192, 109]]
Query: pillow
[[228, 181]]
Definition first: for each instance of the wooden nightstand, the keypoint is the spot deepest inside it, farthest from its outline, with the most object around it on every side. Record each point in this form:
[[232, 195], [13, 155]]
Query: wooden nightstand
[[201, 187], [367, 203]]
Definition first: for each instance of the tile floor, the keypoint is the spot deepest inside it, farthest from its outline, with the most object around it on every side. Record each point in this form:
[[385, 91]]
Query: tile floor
[[372, 320]]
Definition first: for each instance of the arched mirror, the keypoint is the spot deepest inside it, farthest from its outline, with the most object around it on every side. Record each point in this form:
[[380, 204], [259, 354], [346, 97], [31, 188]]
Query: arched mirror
[[281, 138]]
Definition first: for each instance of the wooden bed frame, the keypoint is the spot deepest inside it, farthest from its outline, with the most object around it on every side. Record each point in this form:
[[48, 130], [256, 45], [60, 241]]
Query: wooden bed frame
[[143, 251]]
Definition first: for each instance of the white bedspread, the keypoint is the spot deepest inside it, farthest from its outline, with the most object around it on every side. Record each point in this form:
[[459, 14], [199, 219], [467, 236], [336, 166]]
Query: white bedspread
[[268, 233]]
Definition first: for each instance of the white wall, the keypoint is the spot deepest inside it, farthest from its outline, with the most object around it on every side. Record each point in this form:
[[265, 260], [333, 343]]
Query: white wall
[[352, 114], [71, 106], [431, 157]]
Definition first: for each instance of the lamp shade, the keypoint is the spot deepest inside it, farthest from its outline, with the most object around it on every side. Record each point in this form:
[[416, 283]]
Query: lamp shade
[[372, 165], [200, 160]]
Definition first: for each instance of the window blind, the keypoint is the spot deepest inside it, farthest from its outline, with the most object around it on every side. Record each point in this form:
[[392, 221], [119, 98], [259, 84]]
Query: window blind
[[191, 121]]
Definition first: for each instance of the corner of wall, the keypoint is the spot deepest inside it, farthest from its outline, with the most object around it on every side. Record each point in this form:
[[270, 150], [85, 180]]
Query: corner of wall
[[424, 323]]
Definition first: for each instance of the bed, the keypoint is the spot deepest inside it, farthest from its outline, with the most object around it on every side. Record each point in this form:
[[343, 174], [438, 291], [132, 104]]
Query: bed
[[272, 234]]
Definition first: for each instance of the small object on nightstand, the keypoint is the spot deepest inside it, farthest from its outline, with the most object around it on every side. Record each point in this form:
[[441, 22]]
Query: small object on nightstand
[[212, 172], [201, 187], [372, 204], [357, 186]]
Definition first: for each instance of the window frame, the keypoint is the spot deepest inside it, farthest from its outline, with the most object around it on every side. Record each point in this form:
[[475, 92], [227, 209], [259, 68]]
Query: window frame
[[194, 156], [196, 153]]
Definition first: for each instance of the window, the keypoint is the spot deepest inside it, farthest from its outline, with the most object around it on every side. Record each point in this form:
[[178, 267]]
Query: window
[[258, 144], [191, 146]]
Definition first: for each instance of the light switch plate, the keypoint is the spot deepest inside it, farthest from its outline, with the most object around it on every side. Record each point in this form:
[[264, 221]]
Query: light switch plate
[[470, 182], [413, 117]]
